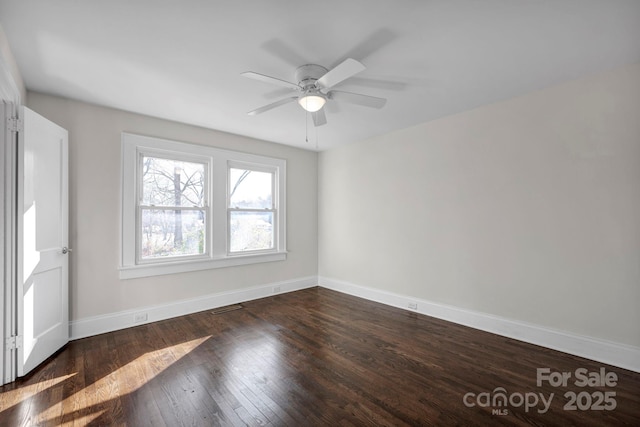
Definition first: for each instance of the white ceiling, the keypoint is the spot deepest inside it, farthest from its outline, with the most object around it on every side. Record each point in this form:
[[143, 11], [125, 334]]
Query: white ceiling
[[181, 60]]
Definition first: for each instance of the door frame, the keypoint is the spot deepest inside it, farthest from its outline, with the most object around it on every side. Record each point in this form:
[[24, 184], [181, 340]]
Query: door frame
[[10, 99]]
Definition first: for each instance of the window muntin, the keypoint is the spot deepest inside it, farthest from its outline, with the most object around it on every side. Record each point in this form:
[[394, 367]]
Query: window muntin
[[251, 209], [172, 214]]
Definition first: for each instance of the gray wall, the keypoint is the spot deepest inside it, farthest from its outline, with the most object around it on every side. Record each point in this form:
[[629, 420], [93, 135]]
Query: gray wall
[[11, 84], [94, 151], [528, 209]]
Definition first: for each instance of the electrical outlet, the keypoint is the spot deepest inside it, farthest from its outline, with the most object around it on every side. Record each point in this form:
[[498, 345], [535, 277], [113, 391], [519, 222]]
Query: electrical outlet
[[276, 289], [140, 317], [413, 306]]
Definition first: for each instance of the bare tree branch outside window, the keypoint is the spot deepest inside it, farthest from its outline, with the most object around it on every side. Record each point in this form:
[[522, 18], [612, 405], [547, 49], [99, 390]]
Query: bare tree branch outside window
[[173, 217]]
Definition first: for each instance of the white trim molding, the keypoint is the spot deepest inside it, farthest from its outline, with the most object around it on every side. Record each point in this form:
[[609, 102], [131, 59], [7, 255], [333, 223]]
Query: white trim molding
[[615, 354], [125, 319], [620, 355]]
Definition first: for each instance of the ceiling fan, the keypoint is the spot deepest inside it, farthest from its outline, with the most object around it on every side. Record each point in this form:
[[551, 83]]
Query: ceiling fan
[[314, 89]]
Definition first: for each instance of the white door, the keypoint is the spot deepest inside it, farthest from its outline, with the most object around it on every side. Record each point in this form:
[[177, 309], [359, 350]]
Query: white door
[[43, 262]]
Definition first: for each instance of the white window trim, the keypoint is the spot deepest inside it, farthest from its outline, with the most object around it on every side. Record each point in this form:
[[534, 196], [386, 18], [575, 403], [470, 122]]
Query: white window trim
[[218, 160]]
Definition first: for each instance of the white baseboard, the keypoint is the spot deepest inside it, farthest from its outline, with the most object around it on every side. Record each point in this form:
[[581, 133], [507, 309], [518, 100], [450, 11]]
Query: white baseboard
[[125, 319], [620, 355]]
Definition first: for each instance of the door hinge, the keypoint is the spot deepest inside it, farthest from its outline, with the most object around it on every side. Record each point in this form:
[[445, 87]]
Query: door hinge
[[15, 124], [13, 343]]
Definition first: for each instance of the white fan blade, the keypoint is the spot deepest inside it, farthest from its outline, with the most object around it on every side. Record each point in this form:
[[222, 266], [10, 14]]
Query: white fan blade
[[271, 80], [356, 98], [347, 68], [319, 118], [272, 105]]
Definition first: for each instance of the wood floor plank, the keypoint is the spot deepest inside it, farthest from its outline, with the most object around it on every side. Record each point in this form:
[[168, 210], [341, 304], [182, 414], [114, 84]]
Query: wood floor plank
[[314, 358]]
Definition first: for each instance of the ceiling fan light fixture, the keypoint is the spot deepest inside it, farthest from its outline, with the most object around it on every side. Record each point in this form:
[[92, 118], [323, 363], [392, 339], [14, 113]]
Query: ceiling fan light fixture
[[312, 102]]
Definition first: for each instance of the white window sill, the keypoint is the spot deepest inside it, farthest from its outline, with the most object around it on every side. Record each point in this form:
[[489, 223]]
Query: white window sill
[[146, 270]]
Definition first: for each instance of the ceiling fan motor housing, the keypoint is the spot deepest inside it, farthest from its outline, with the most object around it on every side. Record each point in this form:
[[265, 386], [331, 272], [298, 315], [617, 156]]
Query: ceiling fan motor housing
[[307, 75]]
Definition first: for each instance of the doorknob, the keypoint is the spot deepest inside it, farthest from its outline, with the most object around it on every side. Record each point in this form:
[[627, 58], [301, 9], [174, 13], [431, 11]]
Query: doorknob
[[66, 250]]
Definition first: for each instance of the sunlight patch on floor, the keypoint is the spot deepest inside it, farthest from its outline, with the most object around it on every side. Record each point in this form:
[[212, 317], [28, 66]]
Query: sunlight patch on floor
[[124, 380], [13, 397], [80, 421]]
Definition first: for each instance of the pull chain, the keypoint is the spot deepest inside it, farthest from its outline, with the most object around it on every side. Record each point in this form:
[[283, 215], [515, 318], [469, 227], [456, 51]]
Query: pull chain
[[306, 130]]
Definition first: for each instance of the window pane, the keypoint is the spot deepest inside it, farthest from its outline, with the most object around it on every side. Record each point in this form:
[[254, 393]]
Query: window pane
[[172, 183], [250, 189], [166, 233], [251, 231]]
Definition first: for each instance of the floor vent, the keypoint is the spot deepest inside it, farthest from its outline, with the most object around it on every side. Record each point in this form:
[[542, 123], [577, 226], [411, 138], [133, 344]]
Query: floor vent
[[227, 309]]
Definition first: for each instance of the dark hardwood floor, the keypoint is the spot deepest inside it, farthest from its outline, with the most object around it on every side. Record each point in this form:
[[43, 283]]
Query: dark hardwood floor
[[312, 358]]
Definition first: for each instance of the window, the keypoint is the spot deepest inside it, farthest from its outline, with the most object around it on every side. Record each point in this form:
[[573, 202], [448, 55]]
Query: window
[[188, 207], [172, 216], [251, 209]]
